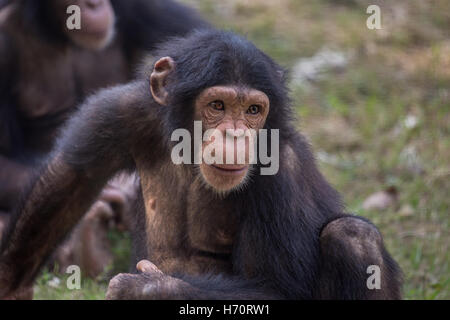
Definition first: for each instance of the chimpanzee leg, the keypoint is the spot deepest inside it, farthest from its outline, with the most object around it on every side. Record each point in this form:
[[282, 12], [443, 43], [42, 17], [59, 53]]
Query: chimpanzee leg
[[355, 264]]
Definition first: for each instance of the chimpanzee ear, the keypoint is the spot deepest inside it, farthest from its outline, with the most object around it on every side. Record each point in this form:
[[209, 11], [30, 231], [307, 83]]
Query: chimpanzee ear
[[158, 79]]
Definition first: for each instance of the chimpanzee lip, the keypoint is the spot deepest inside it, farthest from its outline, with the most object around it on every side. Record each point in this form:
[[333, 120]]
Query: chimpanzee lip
[[230, 168]]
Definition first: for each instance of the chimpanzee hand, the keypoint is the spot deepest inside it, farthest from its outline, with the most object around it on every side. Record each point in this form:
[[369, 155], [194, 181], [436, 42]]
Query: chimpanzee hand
[[120, 193], [150, 284], [115, 201]]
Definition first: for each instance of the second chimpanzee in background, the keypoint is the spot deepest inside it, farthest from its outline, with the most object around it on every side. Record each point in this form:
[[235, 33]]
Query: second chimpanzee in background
[[212, 230], [46, 70]]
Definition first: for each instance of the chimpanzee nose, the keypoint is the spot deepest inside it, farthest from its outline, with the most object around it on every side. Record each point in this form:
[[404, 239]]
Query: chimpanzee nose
[[235, 132]]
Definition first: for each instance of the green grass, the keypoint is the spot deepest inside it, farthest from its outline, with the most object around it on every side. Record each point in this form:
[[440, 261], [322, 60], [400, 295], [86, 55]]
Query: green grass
[[356, 118]]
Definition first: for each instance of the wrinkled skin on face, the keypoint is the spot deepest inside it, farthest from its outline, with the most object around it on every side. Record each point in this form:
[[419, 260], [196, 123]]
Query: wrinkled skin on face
[[229, 113], [97, 22], [232, 112]]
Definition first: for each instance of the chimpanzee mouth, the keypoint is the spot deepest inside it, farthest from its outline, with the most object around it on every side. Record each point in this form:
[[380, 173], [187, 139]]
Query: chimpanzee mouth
[[230, 169]]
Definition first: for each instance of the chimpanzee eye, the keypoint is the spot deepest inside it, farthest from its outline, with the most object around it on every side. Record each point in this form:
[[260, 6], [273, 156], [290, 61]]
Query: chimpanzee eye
[[253, 109], [217, 105]]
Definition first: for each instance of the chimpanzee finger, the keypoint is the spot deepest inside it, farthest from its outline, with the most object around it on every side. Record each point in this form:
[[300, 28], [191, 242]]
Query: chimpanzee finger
[[146, 266]]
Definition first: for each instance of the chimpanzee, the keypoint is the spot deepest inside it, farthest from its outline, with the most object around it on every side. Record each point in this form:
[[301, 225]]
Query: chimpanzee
[[47, 69], [211, 230]]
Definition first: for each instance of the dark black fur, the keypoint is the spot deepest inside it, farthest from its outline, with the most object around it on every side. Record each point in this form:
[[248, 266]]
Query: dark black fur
[[278, 252], [140, 25], [145, 23]]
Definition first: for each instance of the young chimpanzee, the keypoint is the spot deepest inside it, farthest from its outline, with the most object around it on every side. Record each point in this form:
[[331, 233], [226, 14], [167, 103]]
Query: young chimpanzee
[[211, 230], [46, 69]]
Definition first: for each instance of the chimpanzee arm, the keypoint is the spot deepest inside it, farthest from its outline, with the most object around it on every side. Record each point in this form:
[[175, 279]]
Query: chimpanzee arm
[[93, 147], [152, 284], [355, 263], [220, 287], [146, 287], [13, 174]]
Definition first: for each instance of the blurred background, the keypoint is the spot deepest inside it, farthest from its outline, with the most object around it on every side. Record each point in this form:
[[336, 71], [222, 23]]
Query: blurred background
[[375, 105]]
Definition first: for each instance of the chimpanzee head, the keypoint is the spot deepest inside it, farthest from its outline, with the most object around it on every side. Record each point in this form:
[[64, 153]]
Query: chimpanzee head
[[96, 20], [232, 87]]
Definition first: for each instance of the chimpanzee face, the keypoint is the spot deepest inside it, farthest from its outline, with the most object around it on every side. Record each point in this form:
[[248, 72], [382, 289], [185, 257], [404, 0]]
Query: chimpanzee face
[[230, 118], [230, 112], [97, 22]]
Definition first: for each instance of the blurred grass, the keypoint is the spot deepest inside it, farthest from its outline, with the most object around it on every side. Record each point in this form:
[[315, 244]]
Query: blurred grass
[[357, 118], [51, 285]]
